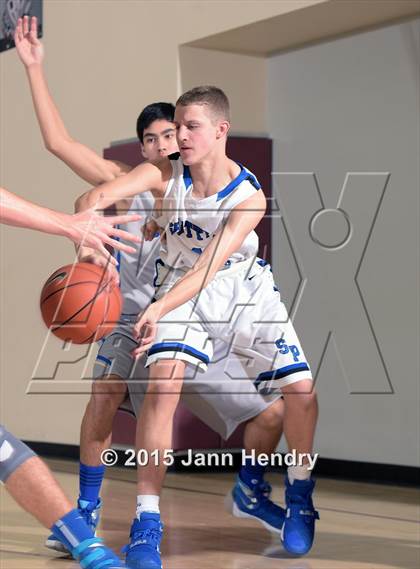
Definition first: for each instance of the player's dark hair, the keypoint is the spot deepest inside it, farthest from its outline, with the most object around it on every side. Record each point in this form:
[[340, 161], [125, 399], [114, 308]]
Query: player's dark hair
[[151, 113], [213, 97]]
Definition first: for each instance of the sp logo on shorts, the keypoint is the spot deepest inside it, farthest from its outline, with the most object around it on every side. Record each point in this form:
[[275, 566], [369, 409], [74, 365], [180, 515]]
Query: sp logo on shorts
[[284, 348]]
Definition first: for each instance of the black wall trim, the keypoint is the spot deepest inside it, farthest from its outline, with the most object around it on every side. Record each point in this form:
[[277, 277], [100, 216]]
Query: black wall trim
[[325, 467]]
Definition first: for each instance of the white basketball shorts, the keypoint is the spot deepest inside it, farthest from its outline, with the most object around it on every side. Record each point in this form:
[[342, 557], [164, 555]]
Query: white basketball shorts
[[242, 307]]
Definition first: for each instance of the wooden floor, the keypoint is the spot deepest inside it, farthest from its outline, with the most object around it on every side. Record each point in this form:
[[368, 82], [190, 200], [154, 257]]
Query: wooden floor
[[362, 526]]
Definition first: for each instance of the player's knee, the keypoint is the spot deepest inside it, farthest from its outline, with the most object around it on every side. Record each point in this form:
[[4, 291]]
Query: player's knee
[[108, 394], [272, 417], [302, 393], [164, 388]]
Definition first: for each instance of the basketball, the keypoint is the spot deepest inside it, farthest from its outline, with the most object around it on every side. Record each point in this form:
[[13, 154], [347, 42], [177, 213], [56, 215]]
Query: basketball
[[76, 305]]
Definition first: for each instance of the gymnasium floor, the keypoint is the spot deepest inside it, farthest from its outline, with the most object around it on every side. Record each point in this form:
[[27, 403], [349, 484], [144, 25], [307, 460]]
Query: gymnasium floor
[[362, 526]]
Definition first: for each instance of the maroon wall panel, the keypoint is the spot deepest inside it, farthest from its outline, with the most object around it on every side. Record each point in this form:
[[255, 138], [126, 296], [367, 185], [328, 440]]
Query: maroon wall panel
[[256, 155], [129, 153]]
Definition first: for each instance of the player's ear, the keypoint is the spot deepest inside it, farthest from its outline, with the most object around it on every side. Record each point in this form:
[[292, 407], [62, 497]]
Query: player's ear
[[222, 129], [143, 153]]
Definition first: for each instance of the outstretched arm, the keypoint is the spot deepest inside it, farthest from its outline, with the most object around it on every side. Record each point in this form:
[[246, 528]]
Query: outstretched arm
[[242, 220], [81, 159], [143, 178], [86, 228]]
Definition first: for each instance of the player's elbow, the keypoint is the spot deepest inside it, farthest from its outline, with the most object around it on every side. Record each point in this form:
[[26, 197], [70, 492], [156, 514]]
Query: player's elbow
[[51, 145], [79, 202], [54, 144], [85, 201]]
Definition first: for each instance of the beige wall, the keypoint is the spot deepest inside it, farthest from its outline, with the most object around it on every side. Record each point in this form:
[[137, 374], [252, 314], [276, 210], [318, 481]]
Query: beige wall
[[105, 61], [242, 77]]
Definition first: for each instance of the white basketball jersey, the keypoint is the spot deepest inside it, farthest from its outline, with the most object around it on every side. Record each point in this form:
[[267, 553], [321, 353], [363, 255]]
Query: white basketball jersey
[[137, 269], [192, 223]]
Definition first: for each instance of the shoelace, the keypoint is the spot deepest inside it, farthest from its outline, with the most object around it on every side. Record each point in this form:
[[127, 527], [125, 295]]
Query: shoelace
[[152, 533], [89, 515]]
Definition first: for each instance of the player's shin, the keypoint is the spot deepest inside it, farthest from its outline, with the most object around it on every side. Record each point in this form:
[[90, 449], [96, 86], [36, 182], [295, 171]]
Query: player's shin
[[154, 436], [154, 427], [301, 412]]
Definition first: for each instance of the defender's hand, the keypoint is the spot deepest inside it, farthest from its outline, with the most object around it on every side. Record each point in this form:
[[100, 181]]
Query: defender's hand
[[100, 261], [28, 46], [89, 229]]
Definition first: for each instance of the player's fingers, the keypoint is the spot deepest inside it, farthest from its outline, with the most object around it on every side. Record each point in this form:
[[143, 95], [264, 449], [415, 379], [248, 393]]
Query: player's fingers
[[148, 332], [122, 234], [137, 331], [111, 259], [18, 31], [104, 238], [113, 282], [108, 257], [33, 36], [146, 340], [114, 277], [120, 219], [120, 246], [140, 350], [25, 25], [34, 24]]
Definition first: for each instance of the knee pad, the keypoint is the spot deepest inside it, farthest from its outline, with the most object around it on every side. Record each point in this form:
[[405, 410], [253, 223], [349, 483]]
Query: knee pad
[[13, 453]]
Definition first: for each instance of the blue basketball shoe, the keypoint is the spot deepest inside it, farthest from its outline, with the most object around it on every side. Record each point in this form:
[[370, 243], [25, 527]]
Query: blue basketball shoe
[[89, 512], [145, 536], [92, 554], [298, 530], [254, 502]]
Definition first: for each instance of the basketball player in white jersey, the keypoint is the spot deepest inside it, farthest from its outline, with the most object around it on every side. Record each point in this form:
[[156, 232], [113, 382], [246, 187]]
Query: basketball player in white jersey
[[25, 476], [220, 404], [210, 285]]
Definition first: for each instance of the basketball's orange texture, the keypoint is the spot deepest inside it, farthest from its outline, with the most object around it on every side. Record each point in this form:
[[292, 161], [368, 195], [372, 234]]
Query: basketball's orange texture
[[76, 305]]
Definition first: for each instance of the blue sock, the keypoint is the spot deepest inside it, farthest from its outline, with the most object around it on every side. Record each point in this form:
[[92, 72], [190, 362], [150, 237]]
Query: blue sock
[[251, 474], [90, 482], [71, 530]]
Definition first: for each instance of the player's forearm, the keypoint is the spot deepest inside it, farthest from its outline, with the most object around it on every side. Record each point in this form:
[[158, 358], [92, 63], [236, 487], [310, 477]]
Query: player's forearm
[[82, 160], [20, 213], [52, 127], [143, 178], [184, 290], [197, 278], [227, 241]]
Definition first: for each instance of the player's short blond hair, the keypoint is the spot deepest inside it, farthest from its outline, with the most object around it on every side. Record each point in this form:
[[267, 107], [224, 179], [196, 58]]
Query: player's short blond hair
[[213, 97]]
